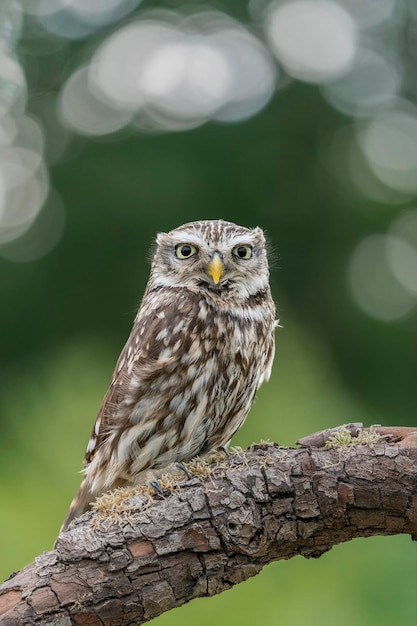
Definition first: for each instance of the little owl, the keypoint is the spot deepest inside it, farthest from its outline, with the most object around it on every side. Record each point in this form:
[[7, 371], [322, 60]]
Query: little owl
[[201, 345]]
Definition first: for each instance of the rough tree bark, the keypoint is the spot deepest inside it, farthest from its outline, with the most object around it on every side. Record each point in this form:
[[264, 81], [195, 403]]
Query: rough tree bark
[[211, 533]]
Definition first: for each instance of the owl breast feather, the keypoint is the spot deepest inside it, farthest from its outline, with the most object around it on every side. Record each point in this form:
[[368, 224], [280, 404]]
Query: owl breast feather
[[188, 385]]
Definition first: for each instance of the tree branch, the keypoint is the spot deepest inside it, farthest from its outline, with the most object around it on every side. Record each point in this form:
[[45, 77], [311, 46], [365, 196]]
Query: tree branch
[[211, 533]]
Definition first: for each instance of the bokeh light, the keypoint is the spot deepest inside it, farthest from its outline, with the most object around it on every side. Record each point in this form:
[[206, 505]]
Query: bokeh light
[[81, 111], [363, 176], [314, 41], [403, 251], [76, 19], [372, 82], [389, 143], [153, 70], [41, 235], [374, 13], [24, 187], [381, 270], [170, 74], [24, 180]]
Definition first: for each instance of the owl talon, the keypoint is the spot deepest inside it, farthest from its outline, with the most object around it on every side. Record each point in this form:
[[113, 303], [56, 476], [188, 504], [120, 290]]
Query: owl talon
[[227, 454], [182, 467], [155, 484]]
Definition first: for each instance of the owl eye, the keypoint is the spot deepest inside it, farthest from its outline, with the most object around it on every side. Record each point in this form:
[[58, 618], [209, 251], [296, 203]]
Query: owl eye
[[242, 252], [184, 250]]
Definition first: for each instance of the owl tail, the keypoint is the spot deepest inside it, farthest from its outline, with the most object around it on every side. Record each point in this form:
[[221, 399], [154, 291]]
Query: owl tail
[[79, 505]]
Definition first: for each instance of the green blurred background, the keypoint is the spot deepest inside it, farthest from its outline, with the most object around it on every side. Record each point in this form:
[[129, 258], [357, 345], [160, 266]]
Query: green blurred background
[[248, 116]]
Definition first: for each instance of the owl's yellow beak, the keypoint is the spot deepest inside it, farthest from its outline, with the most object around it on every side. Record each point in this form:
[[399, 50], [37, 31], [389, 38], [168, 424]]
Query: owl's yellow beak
[[215, 268]]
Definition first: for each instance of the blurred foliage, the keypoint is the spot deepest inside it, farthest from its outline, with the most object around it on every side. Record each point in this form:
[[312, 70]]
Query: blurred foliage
[[66, 315]]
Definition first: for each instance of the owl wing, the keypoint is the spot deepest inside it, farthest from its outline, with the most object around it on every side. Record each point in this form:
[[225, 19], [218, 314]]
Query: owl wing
[[151, 348]]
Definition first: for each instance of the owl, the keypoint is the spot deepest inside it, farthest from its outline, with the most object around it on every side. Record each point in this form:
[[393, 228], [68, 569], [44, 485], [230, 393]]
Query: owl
[[201, 344]]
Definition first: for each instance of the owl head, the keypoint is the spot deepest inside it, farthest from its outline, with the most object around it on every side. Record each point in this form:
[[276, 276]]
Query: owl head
[[212, 255]]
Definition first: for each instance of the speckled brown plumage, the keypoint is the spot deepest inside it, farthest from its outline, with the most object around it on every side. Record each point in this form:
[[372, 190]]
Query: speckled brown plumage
[[201, 344]]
